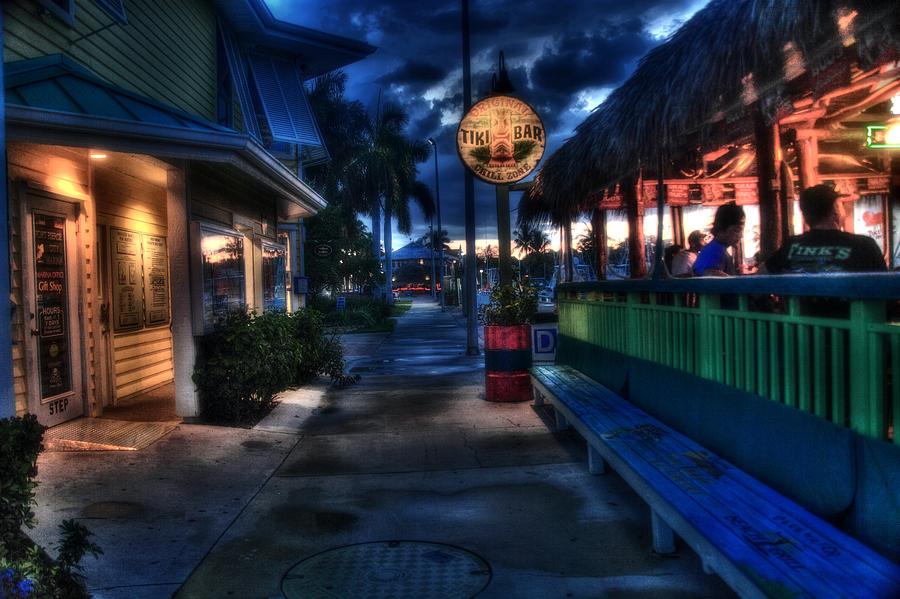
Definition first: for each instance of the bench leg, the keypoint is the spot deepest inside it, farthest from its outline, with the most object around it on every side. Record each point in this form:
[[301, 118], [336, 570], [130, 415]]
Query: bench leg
[[561, 422], [595, 461], [663, 537], [538, 398]]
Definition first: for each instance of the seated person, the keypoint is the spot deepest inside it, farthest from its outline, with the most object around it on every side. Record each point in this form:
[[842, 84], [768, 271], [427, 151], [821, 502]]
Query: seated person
[[669, 255], [825, 247], [714, 259], [683, 262]]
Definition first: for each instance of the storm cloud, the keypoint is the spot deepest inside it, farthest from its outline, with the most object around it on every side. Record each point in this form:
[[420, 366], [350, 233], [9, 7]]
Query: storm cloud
[[563, 59]]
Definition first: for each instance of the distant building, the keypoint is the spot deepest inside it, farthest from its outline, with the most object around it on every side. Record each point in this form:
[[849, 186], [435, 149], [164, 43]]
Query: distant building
[[412, 266], [154, 157]]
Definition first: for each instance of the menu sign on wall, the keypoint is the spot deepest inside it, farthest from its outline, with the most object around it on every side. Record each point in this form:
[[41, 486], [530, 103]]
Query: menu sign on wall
[[156, 280], [54, 361], [125, 251]]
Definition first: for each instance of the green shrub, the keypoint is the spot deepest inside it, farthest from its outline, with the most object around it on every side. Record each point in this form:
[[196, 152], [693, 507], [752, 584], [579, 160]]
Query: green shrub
[[25, 569], [20, 444], [359, 311], [251, 358], [510, 305]]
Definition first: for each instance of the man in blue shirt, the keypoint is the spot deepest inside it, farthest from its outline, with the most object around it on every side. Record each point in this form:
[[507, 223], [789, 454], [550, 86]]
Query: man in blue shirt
[[714, 259]]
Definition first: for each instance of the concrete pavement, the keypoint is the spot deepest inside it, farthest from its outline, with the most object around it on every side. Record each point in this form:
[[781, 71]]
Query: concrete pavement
[[411, 453]]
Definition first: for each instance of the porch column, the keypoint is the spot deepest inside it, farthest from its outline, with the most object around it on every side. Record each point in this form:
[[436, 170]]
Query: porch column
[[807, 147], [769, 212], [569, 254], [637, 261], [7, 395], [598, 226], [184, 346]]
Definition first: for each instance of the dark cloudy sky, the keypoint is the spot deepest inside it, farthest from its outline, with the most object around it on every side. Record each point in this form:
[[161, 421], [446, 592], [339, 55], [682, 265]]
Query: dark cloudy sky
[[564, 57]]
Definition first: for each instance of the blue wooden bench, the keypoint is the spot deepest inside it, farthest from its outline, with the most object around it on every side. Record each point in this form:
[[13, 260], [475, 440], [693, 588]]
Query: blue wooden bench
[[761, 543]]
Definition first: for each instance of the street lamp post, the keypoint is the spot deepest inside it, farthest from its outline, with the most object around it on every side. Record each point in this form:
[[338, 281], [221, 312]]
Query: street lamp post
[[440, 231]]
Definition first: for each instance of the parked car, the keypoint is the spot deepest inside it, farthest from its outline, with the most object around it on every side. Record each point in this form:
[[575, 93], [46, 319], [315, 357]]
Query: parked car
[[546, 300]]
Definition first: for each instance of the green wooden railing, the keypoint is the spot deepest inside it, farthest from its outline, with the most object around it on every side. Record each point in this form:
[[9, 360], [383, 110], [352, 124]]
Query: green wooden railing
[[764, 335]]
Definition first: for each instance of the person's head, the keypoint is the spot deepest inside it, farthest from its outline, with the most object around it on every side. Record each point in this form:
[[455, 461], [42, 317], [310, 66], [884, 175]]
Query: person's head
[[695, 241], [669, 254], [821, 208], [728, 225]]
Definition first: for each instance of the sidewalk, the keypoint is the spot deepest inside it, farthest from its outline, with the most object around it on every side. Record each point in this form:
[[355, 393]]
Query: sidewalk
[[411, 453]]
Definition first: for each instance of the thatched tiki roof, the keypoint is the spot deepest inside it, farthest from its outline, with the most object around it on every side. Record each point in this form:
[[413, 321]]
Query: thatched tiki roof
[[731, 57]]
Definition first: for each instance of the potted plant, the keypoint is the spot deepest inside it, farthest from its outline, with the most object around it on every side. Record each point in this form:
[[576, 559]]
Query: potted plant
[[507, 342]]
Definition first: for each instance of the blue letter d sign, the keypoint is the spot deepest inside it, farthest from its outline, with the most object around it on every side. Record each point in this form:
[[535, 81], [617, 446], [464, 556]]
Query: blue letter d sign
[[544, 341]]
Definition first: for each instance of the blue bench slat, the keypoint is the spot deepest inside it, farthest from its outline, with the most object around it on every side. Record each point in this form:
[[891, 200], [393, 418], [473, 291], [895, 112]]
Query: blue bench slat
[[795, 517], [832, 559], [760, 501], [660, 490], [706, 515]]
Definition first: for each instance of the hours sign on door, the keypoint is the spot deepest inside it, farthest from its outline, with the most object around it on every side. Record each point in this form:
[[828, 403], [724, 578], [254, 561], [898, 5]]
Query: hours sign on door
[[52, 316]]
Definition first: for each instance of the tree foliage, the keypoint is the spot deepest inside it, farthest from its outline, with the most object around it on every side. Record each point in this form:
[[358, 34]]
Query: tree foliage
[[350, 262]]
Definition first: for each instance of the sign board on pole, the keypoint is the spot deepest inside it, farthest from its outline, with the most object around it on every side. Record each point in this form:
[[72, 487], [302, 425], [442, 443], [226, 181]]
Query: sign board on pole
[[341, 303], [543, 342], [501, 139], [323, 250]]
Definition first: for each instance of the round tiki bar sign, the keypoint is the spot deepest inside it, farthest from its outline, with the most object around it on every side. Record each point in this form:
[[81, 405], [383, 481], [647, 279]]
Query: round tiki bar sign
[[501, 139]]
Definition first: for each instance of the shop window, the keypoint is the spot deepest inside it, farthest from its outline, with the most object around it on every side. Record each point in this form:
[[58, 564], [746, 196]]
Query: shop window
[[61, 9], [237, 77], [283, 102], [223, 273], [115, 9], [273, 273]]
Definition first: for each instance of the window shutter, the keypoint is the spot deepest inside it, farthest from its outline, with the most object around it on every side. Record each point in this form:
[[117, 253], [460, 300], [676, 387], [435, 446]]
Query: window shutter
[[238, 73], [284, 101], [114, 8]]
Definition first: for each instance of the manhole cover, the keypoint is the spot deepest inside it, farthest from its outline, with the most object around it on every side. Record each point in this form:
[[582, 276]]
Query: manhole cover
[[394, 569]]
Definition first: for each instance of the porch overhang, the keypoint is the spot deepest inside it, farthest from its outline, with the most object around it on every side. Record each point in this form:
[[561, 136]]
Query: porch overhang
[[54, 100], [296, 199]]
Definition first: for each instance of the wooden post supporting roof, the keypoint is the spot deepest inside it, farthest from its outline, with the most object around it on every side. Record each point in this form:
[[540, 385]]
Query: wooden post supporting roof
[[568, 255], [769, 212], [637, 261], [598, 228]]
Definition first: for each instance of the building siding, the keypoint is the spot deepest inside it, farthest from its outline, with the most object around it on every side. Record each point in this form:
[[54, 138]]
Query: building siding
[[166, 51]]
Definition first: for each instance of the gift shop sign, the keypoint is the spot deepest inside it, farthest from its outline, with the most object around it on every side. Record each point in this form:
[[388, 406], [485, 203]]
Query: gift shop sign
[[501, 139], [52, 295]]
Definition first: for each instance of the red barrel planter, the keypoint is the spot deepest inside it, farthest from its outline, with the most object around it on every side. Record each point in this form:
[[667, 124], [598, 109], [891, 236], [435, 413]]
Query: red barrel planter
[[507, 358]]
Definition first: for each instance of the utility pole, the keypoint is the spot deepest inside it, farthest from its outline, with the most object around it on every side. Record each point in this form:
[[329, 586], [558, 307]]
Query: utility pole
[[437, 197], [472, 348]]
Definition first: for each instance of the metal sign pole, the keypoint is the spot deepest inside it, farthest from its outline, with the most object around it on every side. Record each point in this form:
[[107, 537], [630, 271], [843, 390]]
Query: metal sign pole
[[503, 234]]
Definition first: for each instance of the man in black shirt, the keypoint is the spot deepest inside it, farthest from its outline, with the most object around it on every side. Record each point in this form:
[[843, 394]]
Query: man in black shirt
[[825, 248]]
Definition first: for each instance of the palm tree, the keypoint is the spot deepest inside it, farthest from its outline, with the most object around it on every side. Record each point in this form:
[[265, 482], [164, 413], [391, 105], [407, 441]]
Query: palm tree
[[586, 245], [373, 164], [343, 125], [534, 241], [441, 237], [384, 177], [530, 239]]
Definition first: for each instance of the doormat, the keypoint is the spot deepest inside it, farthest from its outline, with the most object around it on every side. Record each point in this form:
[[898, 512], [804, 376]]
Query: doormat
[[101, 434]]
